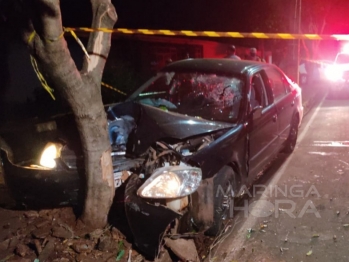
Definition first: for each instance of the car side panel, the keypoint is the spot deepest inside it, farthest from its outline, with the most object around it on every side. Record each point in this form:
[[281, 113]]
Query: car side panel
[[264, 139]]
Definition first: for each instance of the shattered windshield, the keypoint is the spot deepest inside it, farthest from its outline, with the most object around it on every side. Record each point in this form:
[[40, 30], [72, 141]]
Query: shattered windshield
[[208, 96]]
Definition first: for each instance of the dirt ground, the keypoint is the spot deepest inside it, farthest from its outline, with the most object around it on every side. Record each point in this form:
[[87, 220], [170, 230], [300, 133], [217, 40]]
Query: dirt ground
[[53, 235]]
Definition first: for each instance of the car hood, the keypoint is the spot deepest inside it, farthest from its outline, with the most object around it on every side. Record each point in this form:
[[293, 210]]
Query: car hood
[[152, 124]]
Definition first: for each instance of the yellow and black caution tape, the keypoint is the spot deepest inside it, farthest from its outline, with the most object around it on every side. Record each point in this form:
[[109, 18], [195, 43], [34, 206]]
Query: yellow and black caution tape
[[320, 62], [41, 77], [113, 88], [165, 32], [37, 71], [77, 40]]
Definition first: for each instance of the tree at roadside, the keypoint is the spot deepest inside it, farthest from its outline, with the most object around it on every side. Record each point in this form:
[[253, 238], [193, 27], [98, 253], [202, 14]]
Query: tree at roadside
[[42, 31]]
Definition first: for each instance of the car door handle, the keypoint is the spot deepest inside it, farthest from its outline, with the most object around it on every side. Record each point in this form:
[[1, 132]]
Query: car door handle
[[275, 117]]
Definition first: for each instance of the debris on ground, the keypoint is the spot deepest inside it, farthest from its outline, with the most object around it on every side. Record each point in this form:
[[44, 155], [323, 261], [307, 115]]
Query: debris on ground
[[249, 233], [52, 235], [184, 249]]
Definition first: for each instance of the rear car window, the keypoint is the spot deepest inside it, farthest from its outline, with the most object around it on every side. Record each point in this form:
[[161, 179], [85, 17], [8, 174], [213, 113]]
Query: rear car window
[[277, 83]]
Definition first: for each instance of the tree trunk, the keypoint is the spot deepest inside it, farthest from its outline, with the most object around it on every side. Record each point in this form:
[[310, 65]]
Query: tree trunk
[[82, 90]]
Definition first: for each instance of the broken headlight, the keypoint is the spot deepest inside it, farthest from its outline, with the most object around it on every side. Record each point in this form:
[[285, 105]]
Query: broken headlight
[[51, 152], [171, 182]]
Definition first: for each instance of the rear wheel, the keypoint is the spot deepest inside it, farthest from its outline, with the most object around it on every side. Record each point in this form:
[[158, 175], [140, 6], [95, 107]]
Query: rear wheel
[[292, 137]]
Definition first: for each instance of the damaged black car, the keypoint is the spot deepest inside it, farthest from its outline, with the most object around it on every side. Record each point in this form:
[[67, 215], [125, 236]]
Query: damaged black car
[[183, 145]]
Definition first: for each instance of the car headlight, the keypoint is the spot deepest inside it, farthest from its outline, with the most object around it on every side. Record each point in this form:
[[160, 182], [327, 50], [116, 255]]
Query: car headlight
[[171, 182], [51, 152], [333, 73]]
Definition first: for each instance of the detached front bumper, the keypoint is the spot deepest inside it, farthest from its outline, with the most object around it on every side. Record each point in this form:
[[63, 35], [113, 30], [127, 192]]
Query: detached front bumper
[[147, 222], [41, 188]]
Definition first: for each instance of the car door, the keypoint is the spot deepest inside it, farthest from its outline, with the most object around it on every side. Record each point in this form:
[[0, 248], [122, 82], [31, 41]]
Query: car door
[[283, 100], [264, 130]]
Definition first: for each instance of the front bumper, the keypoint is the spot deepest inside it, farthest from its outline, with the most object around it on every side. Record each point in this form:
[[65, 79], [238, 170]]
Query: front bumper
[[147, 222], [38, 188]]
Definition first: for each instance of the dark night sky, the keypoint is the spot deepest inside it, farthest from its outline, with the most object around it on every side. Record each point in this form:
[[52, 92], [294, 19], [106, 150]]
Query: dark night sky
[[181, 14], [218, 15]]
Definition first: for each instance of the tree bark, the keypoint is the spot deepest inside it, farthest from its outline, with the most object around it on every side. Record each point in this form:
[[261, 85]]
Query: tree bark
[[82, 90]]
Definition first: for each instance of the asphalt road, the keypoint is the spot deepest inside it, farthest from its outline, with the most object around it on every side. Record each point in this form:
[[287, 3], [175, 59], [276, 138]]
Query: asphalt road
[[299, 210]]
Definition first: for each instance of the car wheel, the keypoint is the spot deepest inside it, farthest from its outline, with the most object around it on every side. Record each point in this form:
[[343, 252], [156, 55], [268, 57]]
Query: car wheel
[[223, 194], [292, 137]]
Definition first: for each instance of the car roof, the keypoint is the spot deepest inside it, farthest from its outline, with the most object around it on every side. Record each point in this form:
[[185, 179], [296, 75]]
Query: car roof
[[224, 66]]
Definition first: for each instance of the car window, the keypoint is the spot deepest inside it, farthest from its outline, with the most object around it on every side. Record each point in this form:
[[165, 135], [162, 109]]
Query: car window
[[204, 95], [276, 82], [258, 96]]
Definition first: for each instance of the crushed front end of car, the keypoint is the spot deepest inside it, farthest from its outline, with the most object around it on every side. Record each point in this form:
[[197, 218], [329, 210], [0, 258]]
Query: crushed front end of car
[[159, 191]]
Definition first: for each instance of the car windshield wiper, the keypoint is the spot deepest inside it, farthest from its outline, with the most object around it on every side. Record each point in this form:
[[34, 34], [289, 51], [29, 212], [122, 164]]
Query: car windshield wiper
[[152, 93]]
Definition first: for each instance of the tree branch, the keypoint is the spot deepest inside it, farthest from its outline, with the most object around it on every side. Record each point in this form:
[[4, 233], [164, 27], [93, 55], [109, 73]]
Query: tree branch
[[50, 20], [104, 16]]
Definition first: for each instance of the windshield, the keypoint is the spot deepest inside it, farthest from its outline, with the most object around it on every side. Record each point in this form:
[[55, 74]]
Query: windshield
[[342, 59], [208, 96]]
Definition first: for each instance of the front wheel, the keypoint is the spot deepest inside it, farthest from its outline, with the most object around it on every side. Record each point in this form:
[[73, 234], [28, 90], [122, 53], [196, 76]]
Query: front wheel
[[223, 194], [292, 137]]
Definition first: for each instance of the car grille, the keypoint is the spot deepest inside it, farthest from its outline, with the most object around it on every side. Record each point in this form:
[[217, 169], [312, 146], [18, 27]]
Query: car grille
[[120, 162]]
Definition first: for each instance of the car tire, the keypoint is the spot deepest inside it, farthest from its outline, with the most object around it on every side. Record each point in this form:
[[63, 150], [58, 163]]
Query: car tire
[[223, 193], [292, 137]]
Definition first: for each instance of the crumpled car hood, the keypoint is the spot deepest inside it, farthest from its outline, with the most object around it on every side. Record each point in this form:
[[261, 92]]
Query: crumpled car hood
[[153, 124]]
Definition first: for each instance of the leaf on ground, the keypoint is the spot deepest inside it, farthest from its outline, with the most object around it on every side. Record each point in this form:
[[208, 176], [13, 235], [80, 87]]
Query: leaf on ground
[[310, 252], [261, 226], [120, 245], [120, 255], [346, 225], [315, 236], [249, 232]]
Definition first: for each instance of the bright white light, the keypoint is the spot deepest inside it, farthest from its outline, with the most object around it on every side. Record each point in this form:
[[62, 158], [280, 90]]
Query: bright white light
[[171, 182], [162, 186], [345, 48], [48, 156], [333, 73]]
